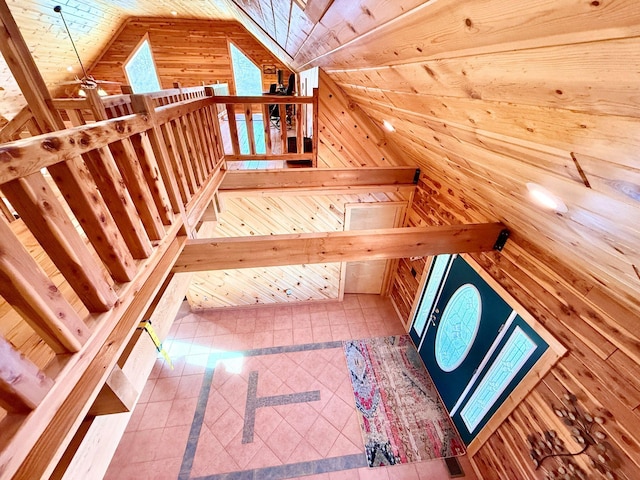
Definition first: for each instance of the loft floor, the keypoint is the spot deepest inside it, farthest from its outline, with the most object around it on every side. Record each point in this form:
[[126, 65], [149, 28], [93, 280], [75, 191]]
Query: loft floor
[[156, 444]]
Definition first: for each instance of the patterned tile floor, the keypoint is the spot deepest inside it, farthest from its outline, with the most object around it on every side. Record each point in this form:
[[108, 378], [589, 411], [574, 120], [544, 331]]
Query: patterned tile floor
[[260, 393]]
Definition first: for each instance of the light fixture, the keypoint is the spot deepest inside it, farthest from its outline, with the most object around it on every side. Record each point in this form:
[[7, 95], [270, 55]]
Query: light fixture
[[102, 92], [388, 126], [174, 13], [545, 198], [82, 93], [87, 81]]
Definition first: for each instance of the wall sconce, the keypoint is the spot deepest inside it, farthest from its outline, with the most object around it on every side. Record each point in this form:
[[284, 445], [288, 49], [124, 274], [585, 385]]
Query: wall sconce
[[549, 452]]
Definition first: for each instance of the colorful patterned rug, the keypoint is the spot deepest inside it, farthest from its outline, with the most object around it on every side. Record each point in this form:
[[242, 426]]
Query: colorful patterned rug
[[402, 418]]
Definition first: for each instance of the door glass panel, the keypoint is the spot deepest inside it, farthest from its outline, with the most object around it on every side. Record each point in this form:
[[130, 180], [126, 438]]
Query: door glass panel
[[436, 274], [458, 327], [507, 365]]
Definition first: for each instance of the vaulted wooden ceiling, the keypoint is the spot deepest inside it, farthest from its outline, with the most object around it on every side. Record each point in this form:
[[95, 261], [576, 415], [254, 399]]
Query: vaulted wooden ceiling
[[486, 95]]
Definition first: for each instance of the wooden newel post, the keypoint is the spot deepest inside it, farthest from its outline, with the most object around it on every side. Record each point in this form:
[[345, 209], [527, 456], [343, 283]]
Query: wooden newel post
[[143, 104]]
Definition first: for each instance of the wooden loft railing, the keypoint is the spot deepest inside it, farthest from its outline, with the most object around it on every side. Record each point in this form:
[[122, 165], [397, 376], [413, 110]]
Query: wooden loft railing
[[104, 210], [79, 111], [283, 139]]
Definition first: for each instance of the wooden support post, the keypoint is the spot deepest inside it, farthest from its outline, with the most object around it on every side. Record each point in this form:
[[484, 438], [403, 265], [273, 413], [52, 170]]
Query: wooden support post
[[22, 384], [117, 395], [97, 107], [326, 247]]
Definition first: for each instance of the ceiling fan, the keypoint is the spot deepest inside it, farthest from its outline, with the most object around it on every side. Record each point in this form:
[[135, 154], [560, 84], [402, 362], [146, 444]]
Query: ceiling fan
[[87, 82]]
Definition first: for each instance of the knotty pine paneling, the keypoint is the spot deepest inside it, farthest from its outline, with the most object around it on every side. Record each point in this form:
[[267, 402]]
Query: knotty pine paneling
[[257, 215], [601, 365], [347, 137], [191, 52], [92, 25]]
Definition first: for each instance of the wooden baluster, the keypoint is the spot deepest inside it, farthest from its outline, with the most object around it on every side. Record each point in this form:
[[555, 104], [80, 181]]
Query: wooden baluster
[[105, 172], [248, 121], [38, 206], [283, 127], [299, 131], [22, 384], [233, 128], [158, 143], [28, 289], [70, 176], [316, 128], [266, 120], [212, 113], [181, 143], [150, 166], [76, 117], [176, 162], [192, 155], [129, 165], [192, 130], [204, 130]]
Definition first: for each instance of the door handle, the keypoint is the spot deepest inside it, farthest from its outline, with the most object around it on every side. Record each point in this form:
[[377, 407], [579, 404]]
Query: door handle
[[432, 317]]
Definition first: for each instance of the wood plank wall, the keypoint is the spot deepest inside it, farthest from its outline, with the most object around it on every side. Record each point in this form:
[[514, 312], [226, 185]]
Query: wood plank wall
[[258, 215], [347, 137], [191, 52], [601, 367]]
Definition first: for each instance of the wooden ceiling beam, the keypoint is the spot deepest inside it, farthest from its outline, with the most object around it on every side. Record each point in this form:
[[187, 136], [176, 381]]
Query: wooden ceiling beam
[[326, 247], [307, 178]]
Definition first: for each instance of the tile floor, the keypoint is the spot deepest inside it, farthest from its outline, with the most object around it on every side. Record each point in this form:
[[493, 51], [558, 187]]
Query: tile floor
[[260, 393]]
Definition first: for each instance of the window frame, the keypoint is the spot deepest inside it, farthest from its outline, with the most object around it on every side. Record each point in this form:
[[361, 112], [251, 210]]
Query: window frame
[[145, 38]]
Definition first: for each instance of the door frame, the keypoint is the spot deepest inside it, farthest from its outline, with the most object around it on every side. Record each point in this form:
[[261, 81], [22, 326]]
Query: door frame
[[392, 264], [548, 359]]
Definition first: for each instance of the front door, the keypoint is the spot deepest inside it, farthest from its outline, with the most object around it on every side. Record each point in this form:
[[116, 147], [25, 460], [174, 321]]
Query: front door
[[468, 329]]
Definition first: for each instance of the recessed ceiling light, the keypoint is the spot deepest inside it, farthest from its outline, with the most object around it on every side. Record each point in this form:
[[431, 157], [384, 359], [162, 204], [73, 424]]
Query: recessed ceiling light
[[174, 13], [545, 198], [69, 68], [388, 126]]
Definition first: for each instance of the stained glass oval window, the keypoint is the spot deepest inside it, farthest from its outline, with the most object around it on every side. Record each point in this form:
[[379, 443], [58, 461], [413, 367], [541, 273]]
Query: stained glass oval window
[[458, 327]]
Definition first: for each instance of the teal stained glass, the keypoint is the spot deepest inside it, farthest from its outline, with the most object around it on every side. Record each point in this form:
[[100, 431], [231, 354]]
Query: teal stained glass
[[458, 327], [438, 270], [141, 71], [508, 363]]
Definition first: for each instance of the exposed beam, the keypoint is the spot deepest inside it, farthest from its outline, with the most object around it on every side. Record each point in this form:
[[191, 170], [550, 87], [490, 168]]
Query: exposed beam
[[297, 249], [306, 178], [117, 395]]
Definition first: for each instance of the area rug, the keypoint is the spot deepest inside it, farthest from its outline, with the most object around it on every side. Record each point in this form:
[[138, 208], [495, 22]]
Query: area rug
[[402, 418]]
